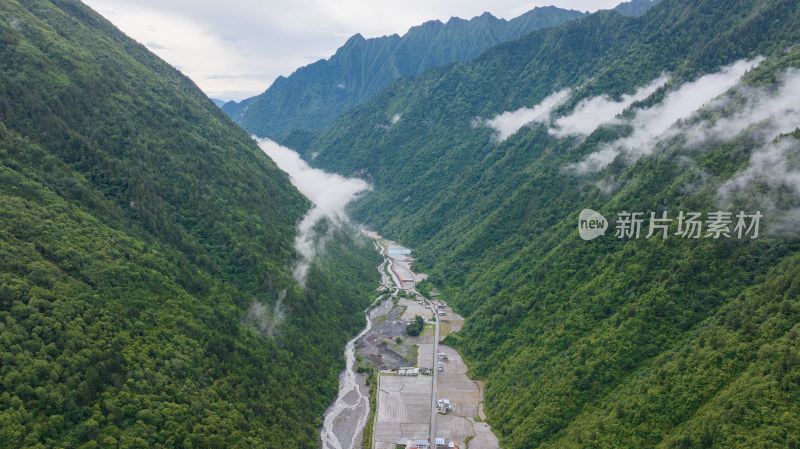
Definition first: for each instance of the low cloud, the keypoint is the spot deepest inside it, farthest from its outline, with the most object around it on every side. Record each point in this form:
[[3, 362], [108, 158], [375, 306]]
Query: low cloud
[[329, 192], [766, 111], [584, 119], [265, 320], [594, 162], [593, 112], [769, 184], [652, 124], [392, 121], [508, 123], [770, 166], [771, 181]]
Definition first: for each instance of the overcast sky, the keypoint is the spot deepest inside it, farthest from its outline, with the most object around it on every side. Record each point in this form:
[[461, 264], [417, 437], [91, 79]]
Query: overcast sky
[[234, 49]]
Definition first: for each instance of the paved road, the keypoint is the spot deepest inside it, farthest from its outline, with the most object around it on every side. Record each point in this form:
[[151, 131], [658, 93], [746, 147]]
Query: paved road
[[435, 376]]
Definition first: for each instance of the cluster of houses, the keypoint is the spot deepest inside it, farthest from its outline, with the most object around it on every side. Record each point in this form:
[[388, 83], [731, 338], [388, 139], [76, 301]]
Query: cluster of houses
[[443, 406], [441, 443], [408, 371], [413, 444]]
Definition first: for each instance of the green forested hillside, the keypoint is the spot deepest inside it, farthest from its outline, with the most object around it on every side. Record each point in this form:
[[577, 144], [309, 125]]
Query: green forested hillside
[[314, 95], [613, 342], [146, 248]]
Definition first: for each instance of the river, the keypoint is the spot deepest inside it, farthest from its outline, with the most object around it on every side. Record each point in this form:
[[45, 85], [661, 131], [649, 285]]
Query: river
[[345, 419]]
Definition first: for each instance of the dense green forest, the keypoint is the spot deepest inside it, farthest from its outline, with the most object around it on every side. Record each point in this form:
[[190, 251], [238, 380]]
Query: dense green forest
[[612, 342], [146, 250], [314, 95]]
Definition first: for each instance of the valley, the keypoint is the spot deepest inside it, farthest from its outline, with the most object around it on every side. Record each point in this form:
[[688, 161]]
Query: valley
[[603, 206]]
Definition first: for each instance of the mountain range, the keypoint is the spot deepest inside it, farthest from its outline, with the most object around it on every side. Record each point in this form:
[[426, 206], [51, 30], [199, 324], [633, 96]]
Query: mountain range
[[312, 96]]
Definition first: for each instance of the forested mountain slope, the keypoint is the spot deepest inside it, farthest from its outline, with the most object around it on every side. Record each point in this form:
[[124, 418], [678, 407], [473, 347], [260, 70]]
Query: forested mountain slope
[[316, 94], [619, 341], [146, 248]]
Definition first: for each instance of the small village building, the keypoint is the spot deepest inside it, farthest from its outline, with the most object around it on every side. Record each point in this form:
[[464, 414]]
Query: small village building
[[413, 444], [443, 405]]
